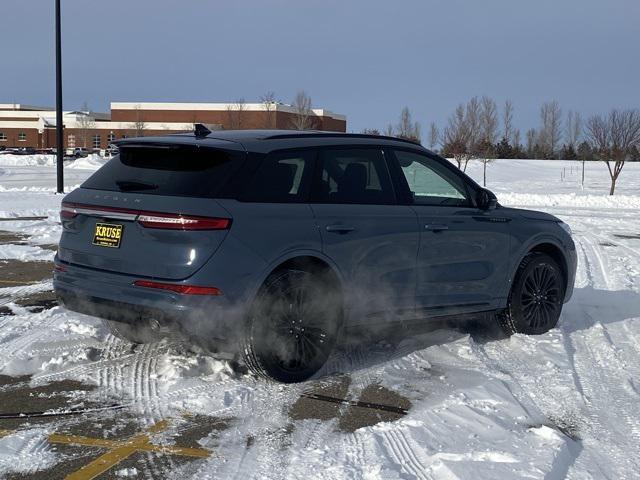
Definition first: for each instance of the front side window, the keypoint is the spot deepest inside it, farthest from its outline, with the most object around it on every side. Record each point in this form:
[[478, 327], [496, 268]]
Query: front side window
[[355, 175], [429, 182], [22, 137], [71, 141], [282, 177], [3, 137], [111, 137], [96, 141]]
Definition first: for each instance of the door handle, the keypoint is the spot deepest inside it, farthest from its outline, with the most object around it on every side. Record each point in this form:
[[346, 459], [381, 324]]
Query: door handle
[[338, 228], [435, 227]]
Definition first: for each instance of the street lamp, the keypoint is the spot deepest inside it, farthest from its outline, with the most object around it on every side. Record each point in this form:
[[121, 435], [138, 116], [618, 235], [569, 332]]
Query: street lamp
[[59, 126]]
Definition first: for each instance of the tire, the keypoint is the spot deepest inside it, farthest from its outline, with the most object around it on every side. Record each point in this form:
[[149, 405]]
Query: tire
[[128, 333], [293, 325], [536, 297]]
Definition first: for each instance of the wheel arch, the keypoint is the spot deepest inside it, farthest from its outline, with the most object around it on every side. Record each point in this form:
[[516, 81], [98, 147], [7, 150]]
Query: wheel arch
[[547, 246], [302, 260]]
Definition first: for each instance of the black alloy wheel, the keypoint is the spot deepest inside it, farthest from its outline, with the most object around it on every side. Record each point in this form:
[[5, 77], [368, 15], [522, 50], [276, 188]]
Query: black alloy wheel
[[293, 326], [536, 297]]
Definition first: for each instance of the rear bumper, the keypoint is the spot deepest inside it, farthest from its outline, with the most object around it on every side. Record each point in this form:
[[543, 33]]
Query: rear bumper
[[208, 320]]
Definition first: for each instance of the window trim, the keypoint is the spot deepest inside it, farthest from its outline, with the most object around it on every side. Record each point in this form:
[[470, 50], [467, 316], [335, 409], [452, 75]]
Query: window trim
[[468, 184], [3, 137], [22, 136], [317, 178]]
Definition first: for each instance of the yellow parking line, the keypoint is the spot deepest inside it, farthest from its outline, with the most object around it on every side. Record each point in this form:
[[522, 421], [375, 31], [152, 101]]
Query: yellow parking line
[[84, 441], [103, 463], [118, 451]]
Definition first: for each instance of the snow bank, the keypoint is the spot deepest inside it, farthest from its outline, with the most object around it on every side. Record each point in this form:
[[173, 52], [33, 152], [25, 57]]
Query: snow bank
[[570, 200], [27, 160], [92, 162]]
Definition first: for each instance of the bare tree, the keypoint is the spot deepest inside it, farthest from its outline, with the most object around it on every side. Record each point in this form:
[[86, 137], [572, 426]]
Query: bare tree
[[407, 128], [613, 138], [507, 121], [389, 131], [86, 124], [269, 104], [235, 116], [434, 135], [516, 139], [531, 139], [573, 128], [371, 131], [550, 134], [139, 125], [456, 138], [303, 117], [485, 147]]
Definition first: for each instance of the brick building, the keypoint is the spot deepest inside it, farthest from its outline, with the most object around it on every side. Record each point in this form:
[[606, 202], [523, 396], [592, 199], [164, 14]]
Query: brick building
[[31, 126]]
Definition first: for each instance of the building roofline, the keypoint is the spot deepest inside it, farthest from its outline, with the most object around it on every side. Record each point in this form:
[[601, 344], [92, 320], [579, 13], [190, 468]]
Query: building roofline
[[252, 107], [22, 107]]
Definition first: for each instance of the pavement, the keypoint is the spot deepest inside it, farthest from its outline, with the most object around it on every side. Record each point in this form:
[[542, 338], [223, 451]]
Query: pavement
[[95, 436]]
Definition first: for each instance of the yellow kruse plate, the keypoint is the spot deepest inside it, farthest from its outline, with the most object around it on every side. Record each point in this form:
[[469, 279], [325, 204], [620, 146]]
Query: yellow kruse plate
[[107, 235]]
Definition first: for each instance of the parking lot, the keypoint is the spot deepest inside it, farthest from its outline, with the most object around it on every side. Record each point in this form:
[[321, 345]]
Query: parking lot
[[457, 402]]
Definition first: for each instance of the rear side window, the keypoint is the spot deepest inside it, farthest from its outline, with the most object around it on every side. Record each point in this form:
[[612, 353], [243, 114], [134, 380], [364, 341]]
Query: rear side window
[[174, 171], [357, 175], [282, 177]]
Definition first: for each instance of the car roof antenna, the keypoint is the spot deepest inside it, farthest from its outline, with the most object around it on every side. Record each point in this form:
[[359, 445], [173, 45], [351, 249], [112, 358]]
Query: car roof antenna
[[200, 130]]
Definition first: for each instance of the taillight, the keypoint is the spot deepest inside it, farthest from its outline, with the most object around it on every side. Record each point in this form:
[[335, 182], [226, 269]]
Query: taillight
[[182, 222], [67, 211], [146, 219], [183, 289]]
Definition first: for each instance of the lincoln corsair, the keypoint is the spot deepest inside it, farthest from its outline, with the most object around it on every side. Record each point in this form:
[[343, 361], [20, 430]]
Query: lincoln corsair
[[264, 246]]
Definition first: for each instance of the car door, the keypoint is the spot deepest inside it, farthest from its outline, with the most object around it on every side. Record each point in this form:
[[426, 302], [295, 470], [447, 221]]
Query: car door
[[464, 251], [372, 239]]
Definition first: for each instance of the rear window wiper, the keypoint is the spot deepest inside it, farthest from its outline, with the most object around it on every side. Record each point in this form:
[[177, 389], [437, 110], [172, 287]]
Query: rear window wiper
[[131, 185]]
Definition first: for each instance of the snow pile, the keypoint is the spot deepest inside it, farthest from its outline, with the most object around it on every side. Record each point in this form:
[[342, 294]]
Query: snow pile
[[27, 160], [569, 200], [25, 253], [26, 452], [92, 162]]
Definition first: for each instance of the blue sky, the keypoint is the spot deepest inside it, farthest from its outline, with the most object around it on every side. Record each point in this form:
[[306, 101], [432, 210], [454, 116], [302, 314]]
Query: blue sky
[[366, 59]]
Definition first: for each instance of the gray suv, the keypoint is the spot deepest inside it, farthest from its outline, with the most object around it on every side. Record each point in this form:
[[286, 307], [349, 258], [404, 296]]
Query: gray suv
[[265, 246]]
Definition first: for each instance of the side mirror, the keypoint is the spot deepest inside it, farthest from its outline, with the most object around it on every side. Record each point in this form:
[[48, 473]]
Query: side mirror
[[486, 200]]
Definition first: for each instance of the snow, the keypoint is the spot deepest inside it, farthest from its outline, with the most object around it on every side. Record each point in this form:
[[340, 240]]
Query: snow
[[563, 404]]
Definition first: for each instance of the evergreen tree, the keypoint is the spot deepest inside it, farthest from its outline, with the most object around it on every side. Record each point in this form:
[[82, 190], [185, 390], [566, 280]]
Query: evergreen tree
[[568, 152], [585, 152], [503, 149]]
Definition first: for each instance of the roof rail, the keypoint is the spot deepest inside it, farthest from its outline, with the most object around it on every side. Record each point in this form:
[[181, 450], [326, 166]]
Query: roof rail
[[312, 134]]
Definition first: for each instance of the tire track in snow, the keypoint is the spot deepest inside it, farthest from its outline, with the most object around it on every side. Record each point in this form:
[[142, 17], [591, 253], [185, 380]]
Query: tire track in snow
[[402, 454], [599, 367]]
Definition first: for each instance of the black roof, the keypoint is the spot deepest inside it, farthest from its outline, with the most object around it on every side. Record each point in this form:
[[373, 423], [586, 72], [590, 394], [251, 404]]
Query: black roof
[[268, 140]]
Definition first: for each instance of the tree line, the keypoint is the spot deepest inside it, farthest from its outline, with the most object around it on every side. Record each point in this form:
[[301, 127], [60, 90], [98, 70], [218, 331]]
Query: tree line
[[479, 130]]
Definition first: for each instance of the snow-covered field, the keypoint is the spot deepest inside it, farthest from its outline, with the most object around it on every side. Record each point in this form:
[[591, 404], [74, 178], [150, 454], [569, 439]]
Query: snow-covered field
[[563, 404]]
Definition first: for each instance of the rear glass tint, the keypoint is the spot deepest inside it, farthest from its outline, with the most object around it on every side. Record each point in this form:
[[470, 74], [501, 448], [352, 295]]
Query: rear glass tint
[[175, 171]]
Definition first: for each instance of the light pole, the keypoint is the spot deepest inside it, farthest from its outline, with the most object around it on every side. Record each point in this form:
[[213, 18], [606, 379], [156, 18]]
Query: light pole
[[59, 126]]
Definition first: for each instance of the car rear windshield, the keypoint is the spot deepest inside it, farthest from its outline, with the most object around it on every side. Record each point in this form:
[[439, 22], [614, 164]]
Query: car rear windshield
[[184, 171]]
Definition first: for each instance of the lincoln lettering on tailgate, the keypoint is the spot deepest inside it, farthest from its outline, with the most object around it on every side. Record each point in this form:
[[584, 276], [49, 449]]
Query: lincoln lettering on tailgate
[[107, 235]]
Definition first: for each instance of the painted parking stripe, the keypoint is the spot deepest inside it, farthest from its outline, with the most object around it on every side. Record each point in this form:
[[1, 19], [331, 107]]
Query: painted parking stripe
[[119, 450]]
